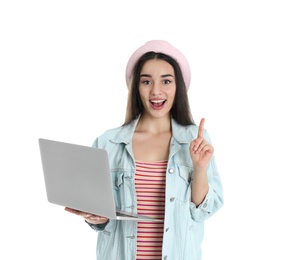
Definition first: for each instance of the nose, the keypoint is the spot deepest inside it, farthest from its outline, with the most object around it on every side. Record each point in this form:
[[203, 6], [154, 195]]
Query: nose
[[156, 89]]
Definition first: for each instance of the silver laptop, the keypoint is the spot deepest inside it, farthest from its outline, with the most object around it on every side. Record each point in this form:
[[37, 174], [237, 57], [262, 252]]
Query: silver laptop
[[79, 177]]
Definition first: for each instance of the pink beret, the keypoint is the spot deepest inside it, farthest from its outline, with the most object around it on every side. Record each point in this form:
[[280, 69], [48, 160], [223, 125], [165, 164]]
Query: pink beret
[[162, 47]]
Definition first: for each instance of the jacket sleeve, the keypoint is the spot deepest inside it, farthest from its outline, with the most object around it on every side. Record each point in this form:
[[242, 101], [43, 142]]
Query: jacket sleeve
[[213, 200]]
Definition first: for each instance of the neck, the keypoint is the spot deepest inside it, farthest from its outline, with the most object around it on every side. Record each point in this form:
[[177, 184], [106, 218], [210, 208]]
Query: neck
[[154, 125]]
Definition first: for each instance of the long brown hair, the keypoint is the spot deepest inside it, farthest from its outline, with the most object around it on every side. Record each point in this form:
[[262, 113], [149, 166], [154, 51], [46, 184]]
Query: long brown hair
[[180, 110]]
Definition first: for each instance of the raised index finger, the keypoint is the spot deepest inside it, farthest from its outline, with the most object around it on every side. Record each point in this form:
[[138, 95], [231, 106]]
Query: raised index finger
[[201, 128]]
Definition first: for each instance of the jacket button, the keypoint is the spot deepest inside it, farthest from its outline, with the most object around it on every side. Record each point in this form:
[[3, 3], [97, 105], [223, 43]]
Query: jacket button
[[165, 257], [171, 199], [166, 229], [171, 170]]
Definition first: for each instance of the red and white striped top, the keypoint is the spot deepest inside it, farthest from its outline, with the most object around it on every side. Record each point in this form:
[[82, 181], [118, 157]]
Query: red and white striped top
[[150, 191]]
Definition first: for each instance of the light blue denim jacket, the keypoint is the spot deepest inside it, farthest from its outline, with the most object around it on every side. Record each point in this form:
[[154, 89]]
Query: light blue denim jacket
[[183, 222]]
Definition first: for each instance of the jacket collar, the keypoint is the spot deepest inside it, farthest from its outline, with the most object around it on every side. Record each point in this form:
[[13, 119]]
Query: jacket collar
[[125, 135], [180, 133]]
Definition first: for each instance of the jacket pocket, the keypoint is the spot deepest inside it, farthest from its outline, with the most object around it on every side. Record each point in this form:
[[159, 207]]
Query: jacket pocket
[[117, 180], [117, 183], [185, 174], [183, 186], [122, 183]]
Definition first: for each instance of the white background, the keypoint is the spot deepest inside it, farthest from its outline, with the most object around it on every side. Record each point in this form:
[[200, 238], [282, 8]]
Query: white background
[[62, 66]]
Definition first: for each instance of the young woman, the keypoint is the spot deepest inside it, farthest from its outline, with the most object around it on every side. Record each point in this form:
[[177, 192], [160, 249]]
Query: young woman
[[162, 164]]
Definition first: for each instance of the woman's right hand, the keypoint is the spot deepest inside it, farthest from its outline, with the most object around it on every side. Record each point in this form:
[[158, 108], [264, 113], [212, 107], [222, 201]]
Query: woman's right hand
[[93, 219]]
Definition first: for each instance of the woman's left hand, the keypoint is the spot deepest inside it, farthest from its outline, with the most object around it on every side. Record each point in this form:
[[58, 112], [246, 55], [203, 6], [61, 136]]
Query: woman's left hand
[[200, 150], [93, 219]]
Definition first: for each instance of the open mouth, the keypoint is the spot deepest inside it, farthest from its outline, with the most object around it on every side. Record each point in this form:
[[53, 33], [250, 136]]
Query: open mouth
[[157, 103]]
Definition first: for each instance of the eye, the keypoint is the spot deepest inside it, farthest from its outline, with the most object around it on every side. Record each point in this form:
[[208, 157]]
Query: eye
[[146, 82], [166, 81]]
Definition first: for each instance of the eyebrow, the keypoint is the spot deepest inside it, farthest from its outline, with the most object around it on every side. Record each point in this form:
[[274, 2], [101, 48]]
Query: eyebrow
[[162, 76]]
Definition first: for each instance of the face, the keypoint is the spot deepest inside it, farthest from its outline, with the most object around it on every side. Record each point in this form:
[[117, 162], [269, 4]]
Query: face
[[157, 88]]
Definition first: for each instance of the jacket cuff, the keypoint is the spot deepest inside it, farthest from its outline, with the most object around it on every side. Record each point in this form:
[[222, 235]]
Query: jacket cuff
[[98, 227], [203, 210]]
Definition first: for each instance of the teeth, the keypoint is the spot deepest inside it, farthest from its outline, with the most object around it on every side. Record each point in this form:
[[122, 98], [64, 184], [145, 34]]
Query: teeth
[[157, 101]]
